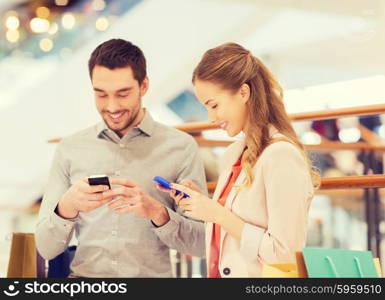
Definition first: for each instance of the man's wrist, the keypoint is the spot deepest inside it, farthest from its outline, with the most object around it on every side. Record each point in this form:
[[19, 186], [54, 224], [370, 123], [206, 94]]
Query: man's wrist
[[64, 211], [161, 218]]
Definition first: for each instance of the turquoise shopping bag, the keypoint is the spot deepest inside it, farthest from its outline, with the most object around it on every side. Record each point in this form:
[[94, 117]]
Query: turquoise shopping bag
[[335, 263]]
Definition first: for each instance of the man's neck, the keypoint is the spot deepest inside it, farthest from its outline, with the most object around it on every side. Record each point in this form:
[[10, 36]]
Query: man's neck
[[137, 121]]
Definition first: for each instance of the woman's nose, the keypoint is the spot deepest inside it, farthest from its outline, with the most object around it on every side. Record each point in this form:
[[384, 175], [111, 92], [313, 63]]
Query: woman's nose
[[212, 117]]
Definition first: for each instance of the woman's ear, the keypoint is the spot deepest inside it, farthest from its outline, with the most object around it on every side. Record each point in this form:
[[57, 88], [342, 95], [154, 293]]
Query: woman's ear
[[245, 92]]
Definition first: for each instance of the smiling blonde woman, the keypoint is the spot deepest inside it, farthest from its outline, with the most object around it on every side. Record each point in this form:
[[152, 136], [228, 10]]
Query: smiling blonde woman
[[266, 184]]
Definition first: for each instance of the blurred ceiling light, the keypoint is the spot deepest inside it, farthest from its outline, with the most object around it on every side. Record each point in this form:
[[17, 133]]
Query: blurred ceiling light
[[42, 12], [65, 52], [61, 2], [12, 22], [98, 5], [68, 21], [102, 24], [12, 36], [311, 138], [39, 25], [349, 135], [53, 29], [46, 44]]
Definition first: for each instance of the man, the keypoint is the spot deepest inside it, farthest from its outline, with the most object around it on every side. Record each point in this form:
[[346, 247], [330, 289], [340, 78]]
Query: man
[[126, 231]]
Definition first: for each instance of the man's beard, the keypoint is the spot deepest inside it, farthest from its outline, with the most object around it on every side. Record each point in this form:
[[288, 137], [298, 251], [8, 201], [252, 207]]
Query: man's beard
[[132, 115]]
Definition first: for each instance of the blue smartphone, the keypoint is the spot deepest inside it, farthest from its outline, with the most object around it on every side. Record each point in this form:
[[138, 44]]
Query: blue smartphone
[[166, 184]]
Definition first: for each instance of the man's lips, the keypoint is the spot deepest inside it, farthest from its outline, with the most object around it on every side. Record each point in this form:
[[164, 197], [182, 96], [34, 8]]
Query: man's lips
[[116, 117]]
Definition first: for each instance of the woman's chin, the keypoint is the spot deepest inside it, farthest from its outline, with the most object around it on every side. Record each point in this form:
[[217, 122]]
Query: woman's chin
[[232, 133]]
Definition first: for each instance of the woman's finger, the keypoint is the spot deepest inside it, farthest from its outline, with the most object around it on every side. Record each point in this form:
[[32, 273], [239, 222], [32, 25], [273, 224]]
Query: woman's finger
[[185, 208], [190, 184], [161, 188], [183, 189]]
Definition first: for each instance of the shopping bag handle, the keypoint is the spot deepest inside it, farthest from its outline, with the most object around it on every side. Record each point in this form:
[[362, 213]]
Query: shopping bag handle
[[333, 266], [357, 262], [334, 269]]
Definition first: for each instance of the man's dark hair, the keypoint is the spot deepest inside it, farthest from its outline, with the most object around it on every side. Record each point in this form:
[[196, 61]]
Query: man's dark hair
[[118, 53]]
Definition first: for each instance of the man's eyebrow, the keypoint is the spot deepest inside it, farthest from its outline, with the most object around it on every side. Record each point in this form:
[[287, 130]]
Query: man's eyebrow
[[125, 89], [207, 102], [98, 90]]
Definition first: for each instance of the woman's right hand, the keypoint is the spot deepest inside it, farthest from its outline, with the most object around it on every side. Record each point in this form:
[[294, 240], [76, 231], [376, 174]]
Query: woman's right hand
[[186, 182]]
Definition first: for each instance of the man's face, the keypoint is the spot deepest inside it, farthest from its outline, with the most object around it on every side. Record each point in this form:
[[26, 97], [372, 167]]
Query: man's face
[[118, 97]]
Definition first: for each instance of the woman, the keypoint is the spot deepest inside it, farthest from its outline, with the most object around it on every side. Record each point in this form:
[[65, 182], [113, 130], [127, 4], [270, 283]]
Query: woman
[[266, 181]]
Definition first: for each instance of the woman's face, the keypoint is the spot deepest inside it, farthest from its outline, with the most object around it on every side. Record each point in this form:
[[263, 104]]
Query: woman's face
[[226, 109]]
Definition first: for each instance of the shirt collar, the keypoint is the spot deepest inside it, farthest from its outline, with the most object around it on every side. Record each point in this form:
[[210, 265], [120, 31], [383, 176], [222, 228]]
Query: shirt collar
[[146, 125]]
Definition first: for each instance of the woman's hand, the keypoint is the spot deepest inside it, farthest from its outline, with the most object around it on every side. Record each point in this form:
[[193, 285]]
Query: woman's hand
[[186, 182], [198, 206]]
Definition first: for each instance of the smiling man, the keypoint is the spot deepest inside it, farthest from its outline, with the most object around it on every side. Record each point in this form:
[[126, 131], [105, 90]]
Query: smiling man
[[126, 231]]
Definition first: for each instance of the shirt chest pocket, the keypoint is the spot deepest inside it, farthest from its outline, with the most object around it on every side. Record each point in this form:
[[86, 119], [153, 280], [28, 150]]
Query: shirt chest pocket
[[87, 164]]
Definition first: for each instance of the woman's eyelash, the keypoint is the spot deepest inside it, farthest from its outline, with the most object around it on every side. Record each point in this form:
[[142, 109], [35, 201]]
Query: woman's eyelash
[[214, 106]]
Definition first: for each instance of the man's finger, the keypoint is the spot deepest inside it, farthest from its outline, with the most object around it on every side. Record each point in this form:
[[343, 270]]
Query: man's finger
[[95, 197], [121, 202], [91, 205], [122, 181], [124, 210], [122, 191], [96, 189]]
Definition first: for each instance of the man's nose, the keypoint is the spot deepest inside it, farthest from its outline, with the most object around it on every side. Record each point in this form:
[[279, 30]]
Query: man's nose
[[112, 105]]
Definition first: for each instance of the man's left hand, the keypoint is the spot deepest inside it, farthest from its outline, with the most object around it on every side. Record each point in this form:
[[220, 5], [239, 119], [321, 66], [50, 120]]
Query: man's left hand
[[133, 199]]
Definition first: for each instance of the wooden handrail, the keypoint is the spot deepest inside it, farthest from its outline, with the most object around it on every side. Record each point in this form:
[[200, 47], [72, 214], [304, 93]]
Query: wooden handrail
[[353, 182], [343, 182], [197, 127], [340, 113], [327, 146], [310, 116], [323, 146]]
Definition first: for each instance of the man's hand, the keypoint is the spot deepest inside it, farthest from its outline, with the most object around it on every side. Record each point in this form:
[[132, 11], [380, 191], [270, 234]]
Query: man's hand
[[133, 198], [82, 197]]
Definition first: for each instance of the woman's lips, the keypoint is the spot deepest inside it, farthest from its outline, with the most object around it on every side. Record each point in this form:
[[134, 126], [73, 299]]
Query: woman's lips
[[224, 125]]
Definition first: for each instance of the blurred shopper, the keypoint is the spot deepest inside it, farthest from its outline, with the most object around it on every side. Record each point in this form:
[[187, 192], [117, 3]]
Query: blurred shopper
[[266, 183], [131, 236]]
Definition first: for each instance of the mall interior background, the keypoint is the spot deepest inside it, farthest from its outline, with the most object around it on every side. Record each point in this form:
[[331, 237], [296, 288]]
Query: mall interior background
[[327, 54]]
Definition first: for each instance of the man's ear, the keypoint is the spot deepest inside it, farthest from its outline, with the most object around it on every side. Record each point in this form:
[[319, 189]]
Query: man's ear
[[245, 92], [144, 86]]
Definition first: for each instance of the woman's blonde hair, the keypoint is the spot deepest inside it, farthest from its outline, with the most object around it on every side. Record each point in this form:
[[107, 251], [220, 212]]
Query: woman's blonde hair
[[230, 66]]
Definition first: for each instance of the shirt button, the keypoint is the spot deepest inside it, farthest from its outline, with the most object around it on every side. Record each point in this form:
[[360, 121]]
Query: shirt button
[[117, 173], [121, 145], [226, 271], [114, 232], [114, 262]]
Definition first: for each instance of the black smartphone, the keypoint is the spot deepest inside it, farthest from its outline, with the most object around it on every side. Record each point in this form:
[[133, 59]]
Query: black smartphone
[[99, 180]]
